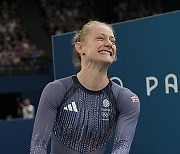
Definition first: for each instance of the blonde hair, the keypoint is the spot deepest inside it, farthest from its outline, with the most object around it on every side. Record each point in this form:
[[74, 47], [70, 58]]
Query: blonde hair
[[80, 37]]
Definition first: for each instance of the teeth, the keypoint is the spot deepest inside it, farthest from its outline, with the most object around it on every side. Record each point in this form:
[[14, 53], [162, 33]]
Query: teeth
[[105, 52]]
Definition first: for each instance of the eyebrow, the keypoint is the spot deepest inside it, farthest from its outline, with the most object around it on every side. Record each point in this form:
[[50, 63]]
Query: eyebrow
[[104, 34]]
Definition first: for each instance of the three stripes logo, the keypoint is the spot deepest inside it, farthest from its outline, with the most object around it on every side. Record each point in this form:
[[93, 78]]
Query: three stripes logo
[[71, 107]]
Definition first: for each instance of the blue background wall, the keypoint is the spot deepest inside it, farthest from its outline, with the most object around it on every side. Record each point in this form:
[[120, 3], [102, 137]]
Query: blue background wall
[[15, 136], [146, 47]]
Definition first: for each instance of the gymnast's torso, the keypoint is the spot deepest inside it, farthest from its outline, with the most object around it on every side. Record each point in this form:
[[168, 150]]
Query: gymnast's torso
[[80, 120], [86, 119]]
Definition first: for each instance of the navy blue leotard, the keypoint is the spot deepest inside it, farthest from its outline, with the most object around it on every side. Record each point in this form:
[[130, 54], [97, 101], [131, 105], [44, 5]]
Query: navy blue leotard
[[81, 121]]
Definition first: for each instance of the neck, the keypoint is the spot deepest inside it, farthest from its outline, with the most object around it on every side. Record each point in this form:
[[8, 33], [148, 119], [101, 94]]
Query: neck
[[93, 77]]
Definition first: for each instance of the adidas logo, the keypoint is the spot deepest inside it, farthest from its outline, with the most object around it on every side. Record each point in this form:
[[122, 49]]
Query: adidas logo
[[71, 107]]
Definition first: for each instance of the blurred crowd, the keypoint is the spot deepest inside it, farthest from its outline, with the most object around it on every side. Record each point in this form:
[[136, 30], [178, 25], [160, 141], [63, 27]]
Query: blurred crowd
[[18, 54], [66, 15], [133, 9]]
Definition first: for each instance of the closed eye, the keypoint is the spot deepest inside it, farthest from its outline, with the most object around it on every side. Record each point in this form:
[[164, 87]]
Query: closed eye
[[113, 41], [100, 38]]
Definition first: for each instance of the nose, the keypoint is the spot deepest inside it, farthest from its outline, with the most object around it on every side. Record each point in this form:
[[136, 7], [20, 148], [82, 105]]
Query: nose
[[108, 43]]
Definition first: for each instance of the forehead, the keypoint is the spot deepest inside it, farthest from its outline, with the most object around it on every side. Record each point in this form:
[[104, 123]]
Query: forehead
[[100, 30]]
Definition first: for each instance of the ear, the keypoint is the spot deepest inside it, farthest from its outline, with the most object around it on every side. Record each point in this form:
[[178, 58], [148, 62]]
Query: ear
[[79, 47]]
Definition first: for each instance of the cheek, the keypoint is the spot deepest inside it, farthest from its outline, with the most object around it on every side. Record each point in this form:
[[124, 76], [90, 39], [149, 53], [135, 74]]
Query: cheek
[[114, 49]]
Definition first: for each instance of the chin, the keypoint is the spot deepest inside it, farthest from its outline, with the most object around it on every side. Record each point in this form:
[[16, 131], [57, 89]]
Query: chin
[[108, 62]]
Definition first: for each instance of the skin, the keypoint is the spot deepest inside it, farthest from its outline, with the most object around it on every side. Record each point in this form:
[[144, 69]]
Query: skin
[[27, 102], [97, 51]]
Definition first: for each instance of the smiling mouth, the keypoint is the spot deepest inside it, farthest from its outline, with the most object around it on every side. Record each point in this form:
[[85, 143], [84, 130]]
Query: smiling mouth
[[105, 52]]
